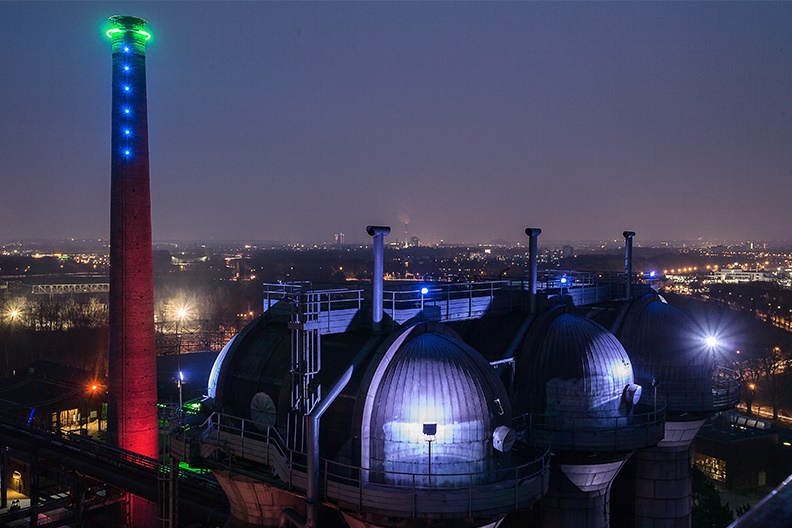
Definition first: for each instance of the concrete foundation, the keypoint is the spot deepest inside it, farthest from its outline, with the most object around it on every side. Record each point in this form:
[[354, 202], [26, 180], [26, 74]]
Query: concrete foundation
[[255, 503], [579, 495], [354, 522], [654, 489]]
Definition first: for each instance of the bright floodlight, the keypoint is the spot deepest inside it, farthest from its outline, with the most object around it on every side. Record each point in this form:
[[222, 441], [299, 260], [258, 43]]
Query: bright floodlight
[[14, 314], [711, 341], [181, 375], [181, 313], [424, 290]]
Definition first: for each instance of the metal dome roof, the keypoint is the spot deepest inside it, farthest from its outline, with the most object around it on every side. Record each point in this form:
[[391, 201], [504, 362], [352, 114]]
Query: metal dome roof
[[668, 349], [661, 335], [573, 364], [431, 378]]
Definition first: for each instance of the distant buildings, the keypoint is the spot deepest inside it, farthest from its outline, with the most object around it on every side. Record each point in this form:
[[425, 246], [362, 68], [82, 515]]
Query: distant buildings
[[733, 276]]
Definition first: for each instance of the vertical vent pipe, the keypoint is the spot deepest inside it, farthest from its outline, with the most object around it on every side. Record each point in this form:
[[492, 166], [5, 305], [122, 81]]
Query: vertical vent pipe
[[379, 233], [628, 242], [533, 262]]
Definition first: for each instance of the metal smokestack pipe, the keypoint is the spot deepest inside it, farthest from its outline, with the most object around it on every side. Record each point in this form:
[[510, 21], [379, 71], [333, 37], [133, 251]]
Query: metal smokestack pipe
[[379, 233], [628, 238], [533, 259]]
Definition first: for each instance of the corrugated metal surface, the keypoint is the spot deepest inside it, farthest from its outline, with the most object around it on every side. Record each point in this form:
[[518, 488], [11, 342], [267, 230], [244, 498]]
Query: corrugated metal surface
[[667, 346], [663, 339], [434, 379], [573, 366]]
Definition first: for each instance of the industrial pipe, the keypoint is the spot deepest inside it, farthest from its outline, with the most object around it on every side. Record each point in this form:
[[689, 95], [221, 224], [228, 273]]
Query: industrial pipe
[[628, 238], [533, 258], [312, 433], [379, 233]]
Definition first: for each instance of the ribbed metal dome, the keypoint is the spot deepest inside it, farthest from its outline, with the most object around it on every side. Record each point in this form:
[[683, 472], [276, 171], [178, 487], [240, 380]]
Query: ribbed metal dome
[[664, 336], [573, 365], [668, 347], [432, 378]]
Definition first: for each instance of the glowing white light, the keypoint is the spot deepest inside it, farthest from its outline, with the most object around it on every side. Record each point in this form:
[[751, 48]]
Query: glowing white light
[[424, 290], [126, 152], [711, 341], [126, 48], [126, 132], [126, 110], [563, 280], [126, 68], [181, 375], [126, 88]]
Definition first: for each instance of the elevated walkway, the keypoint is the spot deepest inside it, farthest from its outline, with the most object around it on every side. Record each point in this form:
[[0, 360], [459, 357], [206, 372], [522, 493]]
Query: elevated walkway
[[232, 443], [721, 393], [336, 310], [122, 469], [596, 432]]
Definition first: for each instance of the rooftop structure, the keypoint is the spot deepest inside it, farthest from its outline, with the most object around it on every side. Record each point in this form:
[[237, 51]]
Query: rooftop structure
[[673, 359], [575, 385], [417, 390]]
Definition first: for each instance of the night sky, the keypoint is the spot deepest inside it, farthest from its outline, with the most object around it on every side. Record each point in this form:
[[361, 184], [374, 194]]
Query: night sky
[[467, 121]]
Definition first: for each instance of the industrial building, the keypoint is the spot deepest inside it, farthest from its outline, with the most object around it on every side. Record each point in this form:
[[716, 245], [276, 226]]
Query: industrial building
[[401, 404], [448, 404], [408, 404]]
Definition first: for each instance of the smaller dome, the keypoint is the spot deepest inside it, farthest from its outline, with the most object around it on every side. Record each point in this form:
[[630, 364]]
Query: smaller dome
[[214, 374], [573, 365], [662, 336], [669, 350]]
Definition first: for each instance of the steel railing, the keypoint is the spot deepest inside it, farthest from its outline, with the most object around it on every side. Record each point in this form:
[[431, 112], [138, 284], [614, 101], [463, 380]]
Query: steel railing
[[366, 488], [597, 431]]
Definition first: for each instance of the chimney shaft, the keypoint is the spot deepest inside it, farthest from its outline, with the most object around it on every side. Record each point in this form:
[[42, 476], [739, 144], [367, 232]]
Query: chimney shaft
[[533, 258], [379, 233], [132, 395], [628, 241]]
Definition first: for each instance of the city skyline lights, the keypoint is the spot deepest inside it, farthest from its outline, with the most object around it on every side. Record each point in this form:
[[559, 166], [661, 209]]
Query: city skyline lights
[[456, 122]]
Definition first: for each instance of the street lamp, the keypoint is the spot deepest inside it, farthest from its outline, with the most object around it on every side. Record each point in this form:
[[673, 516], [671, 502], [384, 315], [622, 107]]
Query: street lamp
[[181, 315], [430, 430], [179, 382], [12, 315], [424, 291]]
